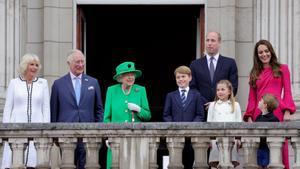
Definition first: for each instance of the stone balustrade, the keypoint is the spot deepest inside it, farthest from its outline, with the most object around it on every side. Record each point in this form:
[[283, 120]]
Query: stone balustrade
[[135, 145]]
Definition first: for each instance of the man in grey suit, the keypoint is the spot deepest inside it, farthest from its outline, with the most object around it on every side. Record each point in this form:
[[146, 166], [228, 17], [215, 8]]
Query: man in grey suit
[[76, 97]]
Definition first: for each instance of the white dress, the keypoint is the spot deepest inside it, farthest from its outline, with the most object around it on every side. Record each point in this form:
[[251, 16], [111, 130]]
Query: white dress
[[220, 111], [25, 104]]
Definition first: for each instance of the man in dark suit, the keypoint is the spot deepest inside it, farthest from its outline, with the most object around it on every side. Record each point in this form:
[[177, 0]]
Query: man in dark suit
[[76, 97], [213, 67], [184, 105]]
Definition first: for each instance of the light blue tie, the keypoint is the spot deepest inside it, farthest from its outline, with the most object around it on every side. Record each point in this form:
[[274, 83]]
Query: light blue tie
[[77, 89]]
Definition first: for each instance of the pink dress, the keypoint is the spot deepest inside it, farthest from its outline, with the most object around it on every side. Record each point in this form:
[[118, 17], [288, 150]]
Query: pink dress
[[281, 89]]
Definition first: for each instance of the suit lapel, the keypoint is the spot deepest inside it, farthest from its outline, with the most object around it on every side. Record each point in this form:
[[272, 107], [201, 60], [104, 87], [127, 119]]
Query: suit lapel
[[218, 68], [70, 86], [84, 86], [190, 95], [203, 62], [177, 98]]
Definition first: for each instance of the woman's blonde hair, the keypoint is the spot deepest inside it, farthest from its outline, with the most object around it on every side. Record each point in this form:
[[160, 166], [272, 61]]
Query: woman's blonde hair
[[26, 59], [231, 95]]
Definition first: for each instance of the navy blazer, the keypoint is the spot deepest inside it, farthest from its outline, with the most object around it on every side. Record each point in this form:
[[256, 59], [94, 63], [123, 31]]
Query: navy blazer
[[226, 69], [63, 101], [192, 112]]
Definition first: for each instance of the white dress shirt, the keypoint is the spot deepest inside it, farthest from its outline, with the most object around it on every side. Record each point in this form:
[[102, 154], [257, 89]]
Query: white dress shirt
[[186, 91], [73, 77], [215, 61]]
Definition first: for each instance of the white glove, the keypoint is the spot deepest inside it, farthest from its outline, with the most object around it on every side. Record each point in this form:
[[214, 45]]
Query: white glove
[[107, 144], [134, 107]]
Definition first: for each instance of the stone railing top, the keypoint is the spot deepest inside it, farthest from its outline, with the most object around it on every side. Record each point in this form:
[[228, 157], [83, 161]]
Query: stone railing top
[[159, 129], [150, 126]]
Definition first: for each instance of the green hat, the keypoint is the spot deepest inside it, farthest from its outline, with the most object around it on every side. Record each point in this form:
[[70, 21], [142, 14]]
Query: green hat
[[126, 67]]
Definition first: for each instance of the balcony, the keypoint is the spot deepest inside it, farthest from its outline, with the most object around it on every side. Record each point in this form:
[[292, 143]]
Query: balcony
[[135, 145]]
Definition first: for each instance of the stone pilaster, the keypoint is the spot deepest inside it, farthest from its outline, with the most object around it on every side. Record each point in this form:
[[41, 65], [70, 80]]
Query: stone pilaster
[[18, 146], [175, 146], [92, 147], [153, 145], [200, 145], [115, 149], [43, 146], [67, 146], [250, 145], [275, 145]]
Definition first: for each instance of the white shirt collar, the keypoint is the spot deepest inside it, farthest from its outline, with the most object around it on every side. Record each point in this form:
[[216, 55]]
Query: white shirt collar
[[186, 89], [220, 101], [73, 76], [216, 57]]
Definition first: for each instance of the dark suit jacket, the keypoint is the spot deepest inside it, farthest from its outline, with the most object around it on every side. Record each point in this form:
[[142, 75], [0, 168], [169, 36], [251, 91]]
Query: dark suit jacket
[[192, 112], [63, 101], [226, 69]]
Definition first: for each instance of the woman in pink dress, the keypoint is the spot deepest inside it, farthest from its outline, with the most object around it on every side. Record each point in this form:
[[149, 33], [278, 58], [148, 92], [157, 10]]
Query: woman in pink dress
[[269, 76]]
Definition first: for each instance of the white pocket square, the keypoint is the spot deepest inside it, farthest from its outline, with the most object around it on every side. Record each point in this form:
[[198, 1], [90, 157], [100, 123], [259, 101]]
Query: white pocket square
[[91, 88]]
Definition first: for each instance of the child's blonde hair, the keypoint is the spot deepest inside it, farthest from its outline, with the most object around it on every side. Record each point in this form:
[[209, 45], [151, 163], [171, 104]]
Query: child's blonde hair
[[231, 95], [183, 70], [271, 102]]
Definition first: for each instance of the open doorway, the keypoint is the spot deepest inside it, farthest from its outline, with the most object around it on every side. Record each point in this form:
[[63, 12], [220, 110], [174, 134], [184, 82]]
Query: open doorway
[[158, 38]]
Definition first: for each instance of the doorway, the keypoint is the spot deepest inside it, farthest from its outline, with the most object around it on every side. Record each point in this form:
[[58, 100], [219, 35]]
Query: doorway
[[158, 38]]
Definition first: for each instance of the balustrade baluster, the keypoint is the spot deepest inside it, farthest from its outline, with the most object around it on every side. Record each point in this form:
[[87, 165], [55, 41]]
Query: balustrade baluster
[[153, 146], [275, 146], [115, 149], [250, 146], [175, 146], [92, 147], [18, 146], [225, 145], [296, 147], [200, 146], [67, 146], [43, 146]]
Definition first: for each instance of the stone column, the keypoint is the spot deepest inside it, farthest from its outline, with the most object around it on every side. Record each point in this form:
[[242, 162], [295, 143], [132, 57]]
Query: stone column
[[92, 147], [67, 146], [296, 57], [275, 145], [43, 146], [175, 146], [225, 145], [153, 145], [115, 149], [18, 146], [250, 145], [296, 147], [200, 145]]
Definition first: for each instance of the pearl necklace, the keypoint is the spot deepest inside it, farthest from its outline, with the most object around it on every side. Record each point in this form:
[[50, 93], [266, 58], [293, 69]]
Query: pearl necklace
[[126, 92]]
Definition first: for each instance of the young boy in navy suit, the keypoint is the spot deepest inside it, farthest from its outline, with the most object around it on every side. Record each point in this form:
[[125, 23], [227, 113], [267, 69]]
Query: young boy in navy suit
[[184, 105]]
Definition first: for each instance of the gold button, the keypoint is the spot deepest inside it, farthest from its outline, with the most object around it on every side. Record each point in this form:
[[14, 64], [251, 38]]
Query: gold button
[[126, 101]]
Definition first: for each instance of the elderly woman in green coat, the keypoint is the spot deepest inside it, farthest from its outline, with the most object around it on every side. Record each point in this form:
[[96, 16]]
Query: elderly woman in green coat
[[126, 101]]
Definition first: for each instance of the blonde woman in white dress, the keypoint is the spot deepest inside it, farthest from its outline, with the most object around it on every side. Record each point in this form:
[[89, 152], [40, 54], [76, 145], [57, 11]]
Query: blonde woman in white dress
[[27, 101], [223, 109]]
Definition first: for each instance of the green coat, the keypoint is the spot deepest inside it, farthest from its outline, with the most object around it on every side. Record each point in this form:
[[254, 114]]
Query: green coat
[[116, 108]]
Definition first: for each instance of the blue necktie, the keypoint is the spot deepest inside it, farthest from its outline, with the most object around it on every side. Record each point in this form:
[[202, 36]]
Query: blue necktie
[[183, 97], [77, 90], [211, 69]]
